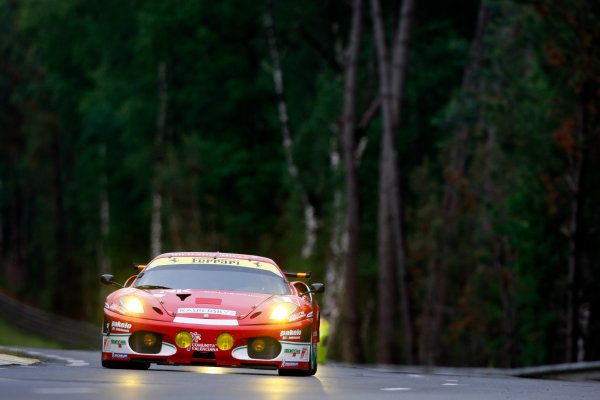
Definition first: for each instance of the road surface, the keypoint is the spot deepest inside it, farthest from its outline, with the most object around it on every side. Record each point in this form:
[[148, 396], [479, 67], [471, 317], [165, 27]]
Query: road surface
[[69, 374]]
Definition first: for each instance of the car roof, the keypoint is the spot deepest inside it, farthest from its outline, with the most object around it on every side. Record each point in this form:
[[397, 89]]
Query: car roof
[[215, 254], [245, 260]]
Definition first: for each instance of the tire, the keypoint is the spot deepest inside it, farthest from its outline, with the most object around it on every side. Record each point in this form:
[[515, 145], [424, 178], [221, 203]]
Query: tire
[[312, 366], [125, 365], [314, 363]]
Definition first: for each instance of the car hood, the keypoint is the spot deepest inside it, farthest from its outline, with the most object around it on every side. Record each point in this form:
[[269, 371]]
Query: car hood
[[208, 303]]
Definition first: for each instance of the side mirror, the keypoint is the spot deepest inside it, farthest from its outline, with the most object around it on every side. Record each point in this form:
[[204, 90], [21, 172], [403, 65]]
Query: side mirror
[[317, 288], [314, 288], [109, 279]]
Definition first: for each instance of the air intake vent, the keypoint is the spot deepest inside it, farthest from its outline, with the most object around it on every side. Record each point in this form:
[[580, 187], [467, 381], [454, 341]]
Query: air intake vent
[[145, 342], [263, 348], [208, 355]]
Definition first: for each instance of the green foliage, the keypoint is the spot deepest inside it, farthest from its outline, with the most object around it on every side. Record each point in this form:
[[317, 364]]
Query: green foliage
[[11, 336], [79, 106]]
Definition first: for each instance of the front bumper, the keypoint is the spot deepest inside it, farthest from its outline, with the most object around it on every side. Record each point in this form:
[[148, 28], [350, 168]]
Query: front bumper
[[294, 342]]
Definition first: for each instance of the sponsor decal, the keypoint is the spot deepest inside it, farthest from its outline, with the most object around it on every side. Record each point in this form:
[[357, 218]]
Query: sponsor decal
[[289, 363], [118, 342], [197, 346], [220, 259], [115, 342], [204, 347], [295, 352], [224, 261], [120, 326], [304, 352], [201, 321], [196, 337], [121, 355], [214, 311], [291, 334], [296, 317]]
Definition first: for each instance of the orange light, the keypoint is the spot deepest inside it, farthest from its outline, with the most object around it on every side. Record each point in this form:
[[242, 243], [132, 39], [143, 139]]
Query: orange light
[[149, 339], [258, 345]]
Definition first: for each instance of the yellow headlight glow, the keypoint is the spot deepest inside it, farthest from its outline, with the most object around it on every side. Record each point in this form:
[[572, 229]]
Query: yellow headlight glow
[[132, 304], [149, 339], [225, 341], [258, 345], [283, 310], [183, 339]]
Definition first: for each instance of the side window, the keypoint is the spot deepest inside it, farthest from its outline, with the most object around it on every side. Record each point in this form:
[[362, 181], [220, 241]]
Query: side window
[[130, 280], [302, 287]]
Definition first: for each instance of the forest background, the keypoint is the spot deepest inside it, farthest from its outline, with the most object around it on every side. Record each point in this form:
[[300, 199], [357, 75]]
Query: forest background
[[435, 163]]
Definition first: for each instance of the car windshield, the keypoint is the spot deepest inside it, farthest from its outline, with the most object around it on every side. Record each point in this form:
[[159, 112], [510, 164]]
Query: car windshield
[[212, 277]]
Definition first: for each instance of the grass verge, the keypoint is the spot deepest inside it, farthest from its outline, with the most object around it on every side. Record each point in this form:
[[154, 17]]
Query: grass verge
[[13, 336]]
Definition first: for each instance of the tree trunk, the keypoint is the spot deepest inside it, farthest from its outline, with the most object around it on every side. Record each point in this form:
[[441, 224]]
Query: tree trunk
[[576, 179], [334, 279], [352, 348], [161, 122], [398, 73], [15, 263], [385, 251], [104, 213], [68, 274], [392, 241], [310, 220], [455, 169]]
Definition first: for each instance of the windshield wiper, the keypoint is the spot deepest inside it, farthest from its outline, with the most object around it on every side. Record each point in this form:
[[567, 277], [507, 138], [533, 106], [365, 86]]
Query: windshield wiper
[[151, 287]]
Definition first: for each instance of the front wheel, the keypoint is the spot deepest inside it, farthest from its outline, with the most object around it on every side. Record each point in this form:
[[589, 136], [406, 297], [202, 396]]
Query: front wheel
[[312, 366], [313, 360]]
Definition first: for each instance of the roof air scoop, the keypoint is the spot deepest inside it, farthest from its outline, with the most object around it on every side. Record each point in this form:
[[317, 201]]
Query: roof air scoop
[[183, 296]]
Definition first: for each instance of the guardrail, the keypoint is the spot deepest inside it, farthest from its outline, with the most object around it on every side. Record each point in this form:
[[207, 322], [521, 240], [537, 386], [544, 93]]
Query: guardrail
[[69, 332], [585, 370]]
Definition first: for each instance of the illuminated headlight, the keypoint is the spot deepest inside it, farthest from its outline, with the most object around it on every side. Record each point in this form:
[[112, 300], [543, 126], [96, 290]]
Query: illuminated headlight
[[283, 310], [132, 304]]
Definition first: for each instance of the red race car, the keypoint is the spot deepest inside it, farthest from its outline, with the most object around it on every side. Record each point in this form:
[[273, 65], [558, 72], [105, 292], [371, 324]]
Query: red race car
[[212, 309]]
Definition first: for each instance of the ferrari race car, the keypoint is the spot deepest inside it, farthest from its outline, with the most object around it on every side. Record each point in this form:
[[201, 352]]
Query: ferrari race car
[[212, 309]]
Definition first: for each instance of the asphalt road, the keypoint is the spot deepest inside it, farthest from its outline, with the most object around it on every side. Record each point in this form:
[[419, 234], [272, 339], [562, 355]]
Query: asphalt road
[[71, 374]]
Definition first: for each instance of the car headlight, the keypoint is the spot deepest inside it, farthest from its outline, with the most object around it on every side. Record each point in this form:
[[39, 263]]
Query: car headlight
[[283, 310], [225, 341], [132, 304], [183, 339]]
